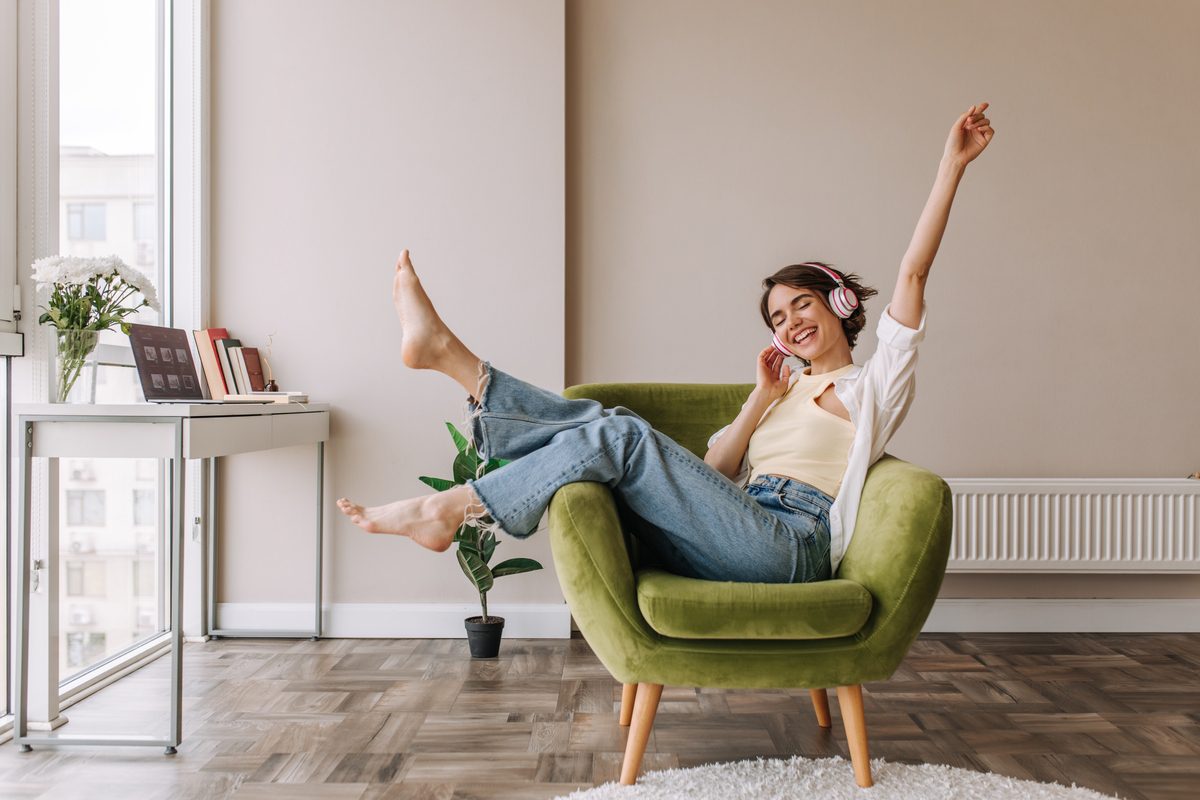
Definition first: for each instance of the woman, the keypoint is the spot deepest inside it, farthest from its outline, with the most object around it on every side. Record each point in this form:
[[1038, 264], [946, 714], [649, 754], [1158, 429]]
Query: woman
[[806, 441]]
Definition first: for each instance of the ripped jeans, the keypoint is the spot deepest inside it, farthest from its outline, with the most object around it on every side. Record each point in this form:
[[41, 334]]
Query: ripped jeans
[[698, 522]]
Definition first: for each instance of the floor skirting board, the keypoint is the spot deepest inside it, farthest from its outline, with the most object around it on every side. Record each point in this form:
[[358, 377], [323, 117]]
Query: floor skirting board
[[553, 620], [1102, 615], [398, 620]]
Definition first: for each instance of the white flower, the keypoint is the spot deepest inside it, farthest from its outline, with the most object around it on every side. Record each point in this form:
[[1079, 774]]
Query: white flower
[[76, 271]]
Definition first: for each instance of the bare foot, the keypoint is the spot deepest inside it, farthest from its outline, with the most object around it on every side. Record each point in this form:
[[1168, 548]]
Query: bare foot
[[427, 340], [429, 521]]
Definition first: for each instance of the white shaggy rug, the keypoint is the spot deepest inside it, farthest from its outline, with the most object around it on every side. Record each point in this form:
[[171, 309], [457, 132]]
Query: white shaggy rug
[[829, 779]]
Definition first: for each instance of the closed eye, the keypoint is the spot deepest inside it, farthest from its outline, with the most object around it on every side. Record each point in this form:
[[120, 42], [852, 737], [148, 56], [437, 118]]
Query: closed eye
[[780, 321]]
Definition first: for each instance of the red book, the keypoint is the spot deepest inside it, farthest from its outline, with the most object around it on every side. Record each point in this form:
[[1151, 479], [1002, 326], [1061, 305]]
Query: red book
[[206, 344], [254, 369]]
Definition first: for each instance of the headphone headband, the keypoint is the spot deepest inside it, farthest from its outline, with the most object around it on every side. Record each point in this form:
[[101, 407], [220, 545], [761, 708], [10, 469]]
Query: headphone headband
[[827, 271]]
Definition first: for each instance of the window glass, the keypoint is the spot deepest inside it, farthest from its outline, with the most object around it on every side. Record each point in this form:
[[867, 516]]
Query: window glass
[[85, 507], [145, 507], [110, 204]]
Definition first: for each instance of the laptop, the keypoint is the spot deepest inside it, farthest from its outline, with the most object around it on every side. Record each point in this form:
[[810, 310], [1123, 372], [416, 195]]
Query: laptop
[[165, 366]]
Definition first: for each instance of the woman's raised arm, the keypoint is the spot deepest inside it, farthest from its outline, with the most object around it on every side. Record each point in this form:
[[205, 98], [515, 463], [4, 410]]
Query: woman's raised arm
[[969, 135]]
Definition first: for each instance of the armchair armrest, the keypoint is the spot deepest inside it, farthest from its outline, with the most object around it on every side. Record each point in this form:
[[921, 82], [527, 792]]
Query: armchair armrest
[[899, 550], [596, 575]]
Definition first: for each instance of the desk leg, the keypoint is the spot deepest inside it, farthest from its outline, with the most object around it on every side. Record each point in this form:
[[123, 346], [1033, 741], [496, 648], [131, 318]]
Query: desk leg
[[21, 684], [320, 531], [211, 530], [175, 735]]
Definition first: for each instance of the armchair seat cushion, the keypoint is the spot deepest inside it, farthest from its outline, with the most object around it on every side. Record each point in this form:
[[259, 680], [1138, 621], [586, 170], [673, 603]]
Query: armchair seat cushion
[[689, 608]]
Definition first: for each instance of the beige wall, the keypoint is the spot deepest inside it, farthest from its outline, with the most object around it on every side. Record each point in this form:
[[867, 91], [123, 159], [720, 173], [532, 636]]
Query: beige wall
[[711, 143], [706, 145], [344, 132]]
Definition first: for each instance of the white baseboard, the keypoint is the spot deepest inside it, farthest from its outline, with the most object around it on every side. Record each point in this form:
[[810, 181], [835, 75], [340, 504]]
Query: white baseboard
[[398, 620], [1005, 615], [553, 620]]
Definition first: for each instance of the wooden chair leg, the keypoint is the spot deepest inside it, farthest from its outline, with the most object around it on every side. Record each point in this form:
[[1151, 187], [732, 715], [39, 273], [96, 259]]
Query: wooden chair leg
[[628, 693], [820, 701], [644, 707], [850, 701]]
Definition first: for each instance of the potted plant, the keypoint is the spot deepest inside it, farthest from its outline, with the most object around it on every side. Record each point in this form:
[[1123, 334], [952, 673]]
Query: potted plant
[[87, 295], [476, 548]]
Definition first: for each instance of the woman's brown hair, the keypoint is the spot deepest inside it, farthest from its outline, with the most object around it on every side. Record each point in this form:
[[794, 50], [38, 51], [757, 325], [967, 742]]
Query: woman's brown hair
[[806, 276]]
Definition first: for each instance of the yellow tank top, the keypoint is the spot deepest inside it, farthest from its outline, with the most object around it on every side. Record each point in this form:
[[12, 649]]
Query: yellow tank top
[[800, 440]]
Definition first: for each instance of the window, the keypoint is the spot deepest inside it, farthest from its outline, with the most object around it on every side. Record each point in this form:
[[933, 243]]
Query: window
[[145, 234], [85, 578], [87, 222], [145, 469], [145, 509], [145, 222], [113, 165], [145, 578], [85, 507], [85, 647]]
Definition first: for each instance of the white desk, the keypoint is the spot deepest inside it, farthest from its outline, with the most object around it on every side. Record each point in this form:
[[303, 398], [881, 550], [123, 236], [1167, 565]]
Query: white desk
[[175, 432]]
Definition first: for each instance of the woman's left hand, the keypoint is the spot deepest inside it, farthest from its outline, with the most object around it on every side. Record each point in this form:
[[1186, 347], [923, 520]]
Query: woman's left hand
[[972, 132]]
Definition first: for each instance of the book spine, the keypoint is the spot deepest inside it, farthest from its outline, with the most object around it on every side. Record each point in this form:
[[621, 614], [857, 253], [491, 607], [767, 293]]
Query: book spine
[[212, 337], [212, 369], [226, 366], [254, 368], [239, 370]]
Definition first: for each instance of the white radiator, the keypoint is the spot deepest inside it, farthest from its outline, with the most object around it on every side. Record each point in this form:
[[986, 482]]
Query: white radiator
[[1098, 525]]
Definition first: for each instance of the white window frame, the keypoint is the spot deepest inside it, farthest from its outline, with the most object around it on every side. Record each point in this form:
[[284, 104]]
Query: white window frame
[[183, 252]]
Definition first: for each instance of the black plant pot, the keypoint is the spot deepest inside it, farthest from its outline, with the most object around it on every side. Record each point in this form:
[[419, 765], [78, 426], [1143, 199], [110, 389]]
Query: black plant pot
[[484, 637]]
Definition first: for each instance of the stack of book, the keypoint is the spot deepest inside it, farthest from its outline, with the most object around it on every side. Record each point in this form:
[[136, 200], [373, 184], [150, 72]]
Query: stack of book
[[234, 371]]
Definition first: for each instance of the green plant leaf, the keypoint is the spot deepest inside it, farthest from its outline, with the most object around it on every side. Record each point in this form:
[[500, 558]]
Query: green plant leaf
[[441, 484], [493, 463], [474, 568], [467, 534], [487, 546], [514, 566], [460, 441], [464, 467]]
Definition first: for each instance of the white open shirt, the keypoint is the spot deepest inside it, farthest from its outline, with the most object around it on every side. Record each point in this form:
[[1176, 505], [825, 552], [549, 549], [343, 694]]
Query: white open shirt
[[877, 394]]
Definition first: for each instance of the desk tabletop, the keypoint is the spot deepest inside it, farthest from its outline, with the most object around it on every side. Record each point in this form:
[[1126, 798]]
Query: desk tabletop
[[168, 410]]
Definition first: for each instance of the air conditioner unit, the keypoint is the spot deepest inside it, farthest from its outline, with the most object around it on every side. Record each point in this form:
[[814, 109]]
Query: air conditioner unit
[[81, 615]]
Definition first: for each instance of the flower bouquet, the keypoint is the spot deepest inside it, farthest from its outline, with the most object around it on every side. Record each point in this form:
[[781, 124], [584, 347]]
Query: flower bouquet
[[87, 295]]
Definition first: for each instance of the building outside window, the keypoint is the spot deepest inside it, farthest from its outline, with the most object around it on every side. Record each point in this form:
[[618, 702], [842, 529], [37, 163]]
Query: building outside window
[[85, 507], [87, 222], [145, 507], [85, 647], [111, 120]]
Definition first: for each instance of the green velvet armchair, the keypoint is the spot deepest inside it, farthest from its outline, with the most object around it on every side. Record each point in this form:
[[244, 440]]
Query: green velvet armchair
[[650, 628]]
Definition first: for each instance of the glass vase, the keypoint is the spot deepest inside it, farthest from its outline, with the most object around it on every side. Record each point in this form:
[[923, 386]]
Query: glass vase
[[74, 347]]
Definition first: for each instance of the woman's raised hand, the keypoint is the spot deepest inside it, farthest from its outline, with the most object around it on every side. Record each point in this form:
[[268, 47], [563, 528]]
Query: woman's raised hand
[[773, 374], [970, 134]]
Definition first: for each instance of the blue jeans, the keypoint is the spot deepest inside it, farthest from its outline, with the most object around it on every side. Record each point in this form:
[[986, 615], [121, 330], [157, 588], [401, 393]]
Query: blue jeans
[[698, 522]]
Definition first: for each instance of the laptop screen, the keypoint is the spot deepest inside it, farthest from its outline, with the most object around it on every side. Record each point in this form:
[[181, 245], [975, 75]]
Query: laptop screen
[[165, 365]]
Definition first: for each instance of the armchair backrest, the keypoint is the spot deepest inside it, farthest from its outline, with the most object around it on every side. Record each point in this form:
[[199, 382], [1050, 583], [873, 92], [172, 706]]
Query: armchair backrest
[[687, 412]]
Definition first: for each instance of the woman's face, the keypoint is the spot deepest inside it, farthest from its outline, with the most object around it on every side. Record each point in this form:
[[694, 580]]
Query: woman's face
[[804, 322]]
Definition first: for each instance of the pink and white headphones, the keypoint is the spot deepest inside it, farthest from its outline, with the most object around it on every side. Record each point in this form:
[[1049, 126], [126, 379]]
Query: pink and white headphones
[[842, 300]]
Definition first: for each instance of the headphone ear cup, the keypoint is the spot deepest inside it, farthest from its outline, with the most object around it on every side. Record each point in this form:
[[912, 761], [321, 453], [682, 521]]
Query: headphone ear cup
[[843, 301], [780, 346]]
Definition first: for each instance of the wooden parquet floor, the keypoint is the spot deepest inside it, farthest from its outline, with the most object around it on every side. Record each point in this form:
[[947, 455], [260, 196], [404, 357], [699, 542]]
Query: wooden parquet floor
[[419, 720]]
